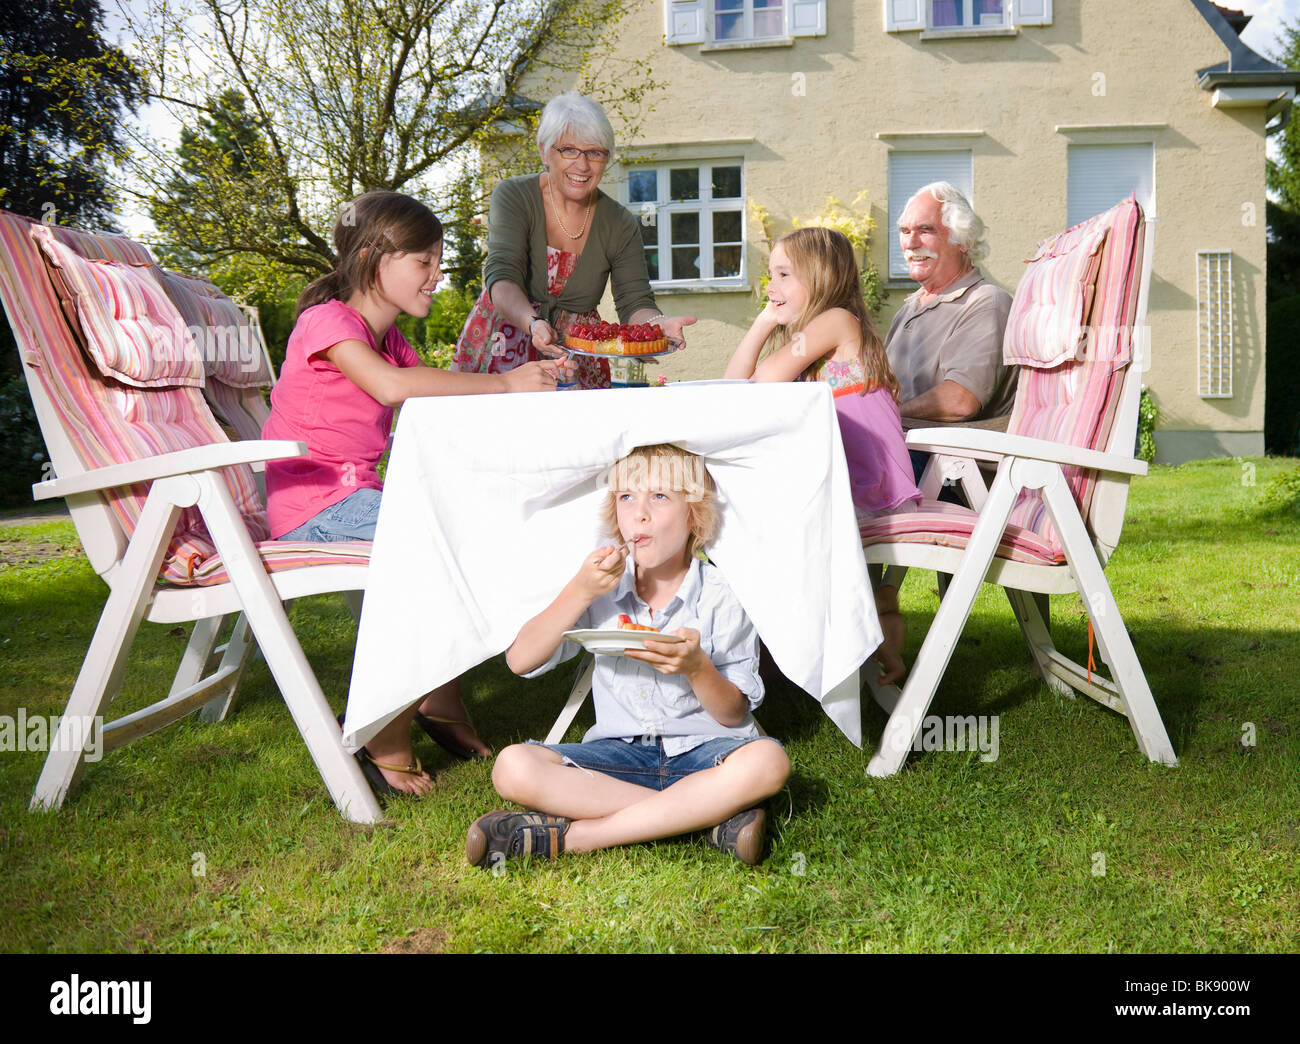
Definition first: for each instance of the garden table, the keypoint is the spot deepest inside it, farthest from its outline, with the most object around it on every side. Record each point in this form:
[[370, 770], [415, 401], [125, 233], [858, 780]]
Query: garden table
[[491, 502]]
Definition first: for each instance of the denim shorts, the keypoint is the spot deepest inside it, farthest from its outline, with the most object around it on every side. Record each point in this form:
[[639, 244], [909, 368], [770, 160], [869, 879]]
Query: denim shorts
[[352, 518], [645, 763]]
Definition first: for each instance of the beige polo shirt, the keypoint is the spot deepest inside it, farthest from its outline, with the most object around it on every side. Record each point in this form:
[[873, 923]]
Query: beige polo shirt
[[956, 336]]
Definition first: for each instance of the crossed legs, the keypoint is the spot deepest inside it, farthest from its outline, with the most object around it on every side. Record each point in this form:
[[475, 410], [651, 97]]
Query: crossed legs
[[608, 811]]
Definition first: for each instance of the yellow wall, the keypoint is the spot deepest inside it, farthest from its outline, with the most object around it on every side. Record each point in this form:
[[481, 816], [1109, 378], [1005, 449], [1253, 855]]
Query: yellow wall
[[805, 118]]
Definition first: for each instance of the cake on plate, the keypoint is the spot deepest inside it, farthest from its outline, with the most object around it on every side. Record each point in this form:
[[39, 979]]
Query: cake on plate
[[616, 339]]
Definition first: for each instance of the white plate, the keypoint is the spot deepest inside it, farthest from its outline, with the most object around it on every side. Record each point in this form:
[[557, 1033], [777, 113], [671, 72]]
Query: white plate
[[619, 355], [613, 641]]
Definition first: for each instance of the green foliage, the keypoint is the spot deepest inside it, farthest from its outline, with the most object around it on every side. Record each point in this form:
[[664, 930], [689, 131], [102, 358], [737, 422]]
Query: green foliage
[[1147, 414], [303, 107], [1283, 177], [63, 93], [21, 447], [1281, 495], [1281, 387], [443, 326]]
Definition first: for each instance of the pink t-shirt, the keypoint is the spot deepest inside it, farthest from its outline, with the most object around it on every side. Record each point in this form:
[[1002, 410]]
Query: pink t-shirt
[[346, 431]]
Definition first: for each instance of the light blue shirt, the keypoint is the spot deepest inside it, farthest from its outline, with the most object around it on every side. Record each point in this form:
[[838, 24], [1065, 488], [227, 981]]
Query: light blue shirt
[[633, 700]]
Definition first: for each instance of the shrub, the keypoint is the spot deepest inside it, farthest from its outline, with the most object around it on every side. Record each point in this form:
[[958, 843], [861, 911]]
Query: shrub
[[21, 444], [1146, 437]]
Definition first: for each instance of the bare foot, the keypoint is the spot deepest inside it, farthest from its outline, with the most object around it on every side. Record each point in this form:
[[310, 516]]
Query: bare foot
[[391, 752], [890, 653], [447, 722]]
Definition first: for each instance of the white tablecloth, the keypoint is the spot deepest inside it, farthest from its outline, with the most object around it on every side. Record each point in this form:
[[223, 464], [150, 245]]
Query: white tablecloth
[[491, 502]]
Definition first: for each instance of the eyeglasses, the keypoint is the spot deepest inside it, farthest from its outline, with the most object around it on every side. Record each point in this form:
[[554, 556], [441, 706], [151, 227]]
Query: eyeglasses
[[572, 152]]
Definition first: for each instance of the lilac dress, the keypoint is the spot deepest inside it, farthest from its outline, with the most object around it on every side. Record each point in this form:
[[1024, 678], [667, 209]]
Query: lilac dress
[[880, 470]]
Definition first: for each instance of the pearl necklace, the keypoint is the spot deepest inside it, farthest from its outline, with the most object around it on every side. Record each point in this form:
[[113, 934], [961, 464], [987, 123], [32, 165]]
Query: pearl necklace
[[560, 221]]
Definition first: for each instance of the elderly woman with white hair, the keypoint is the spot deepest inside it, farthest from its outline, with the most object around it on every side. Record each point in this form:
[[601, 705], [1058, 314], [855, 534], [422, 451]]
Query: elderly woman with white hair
[[554, 242]]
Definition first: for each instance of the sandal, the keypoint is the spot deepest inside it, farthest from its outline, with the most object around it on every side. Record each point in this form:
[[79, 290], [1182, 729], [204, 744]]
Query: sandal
[[370, 769], [439, 730], [382, 788]]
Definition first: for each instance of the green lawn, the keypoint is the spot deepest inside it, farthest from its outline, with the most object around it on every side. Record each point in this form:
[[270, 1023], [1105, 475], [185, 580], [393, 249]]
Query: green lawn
[[954, 854]]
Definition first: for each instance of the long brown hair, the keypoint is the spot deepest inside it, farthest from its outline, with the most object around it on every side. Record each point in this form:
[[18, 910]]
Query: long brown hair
[[372, 225], [824, 262]]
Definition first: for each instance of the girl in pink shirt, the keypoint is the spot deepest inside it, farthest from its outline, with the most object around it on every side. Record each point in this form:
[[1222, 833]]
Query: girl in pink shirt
[[346, 367]]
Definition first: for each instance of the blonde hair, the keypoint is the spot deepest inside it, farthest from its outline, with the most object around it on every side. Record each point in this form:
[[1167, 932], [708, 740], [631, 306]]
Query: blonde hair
[[667, 469], [824, 262]]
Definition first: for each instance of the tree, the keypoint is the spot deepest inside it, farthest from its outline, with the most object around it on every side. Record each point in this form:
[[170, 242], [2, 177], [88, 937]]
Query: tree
[[1282, 353], [1283, 212], [63, 92], [345, 96]]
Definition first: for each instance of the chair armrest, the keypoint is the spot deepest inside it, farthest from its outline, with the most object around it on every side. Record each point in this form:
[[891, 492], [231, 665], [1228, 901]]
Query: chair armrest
[[980, 443], [180, 462]]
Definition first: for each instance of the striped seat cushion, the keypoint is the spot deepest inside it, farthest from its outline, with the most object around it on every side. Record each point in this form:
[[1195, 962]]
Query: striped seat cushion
[[950, 525], [276, 556]]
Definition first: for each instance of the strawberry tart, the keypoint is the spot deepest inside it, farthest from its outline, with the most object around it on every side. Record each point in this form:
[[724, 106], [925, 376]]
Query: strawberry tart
[[612, 339]]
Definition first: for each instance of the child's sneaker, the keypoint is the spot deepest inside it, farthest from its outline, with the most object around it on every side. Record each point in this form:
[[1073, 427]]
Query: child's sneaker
[[504, 835], [744, 836]]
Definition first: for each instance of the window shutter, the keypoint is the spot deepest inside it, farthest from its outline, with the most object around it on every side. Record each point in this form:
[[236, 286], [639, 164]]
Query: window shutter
[[902, 15], [911, 171], [684, 21], [807, 17], [1032, 12], [1102, 175]]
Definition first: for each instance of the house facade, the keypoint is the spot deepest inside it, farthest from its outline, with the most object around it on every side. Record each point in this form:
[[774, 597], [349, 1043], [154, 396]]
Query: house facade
[[1044, 111]]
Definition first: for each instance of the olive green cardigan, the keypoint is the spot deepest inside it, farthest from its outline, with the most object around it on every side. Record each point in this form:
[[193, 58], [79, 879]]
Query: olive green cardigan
[[613, 253]]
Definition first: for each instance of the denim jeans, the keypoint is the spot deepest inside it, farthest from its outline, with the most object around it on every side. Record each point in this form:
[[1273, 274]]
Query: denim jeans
[[645, 763], [352, 518]]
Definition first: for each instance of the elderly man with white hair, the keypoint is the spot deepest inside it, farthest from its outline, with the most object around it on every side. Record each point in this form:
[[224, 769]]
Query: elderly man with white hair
[[945, 343]]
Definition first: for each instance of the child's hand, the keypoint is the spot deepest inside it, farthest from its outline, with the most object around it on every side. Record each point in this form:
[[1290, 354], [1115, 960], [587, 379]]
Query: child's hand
[[684, 657], [766, 320], [600, 572], [533, 376]]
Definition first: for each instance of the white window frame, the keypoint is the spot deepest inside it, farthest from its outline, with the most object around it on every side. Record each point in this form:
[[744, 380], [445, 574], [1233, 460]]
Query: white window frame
[[747, 20], [694, 21], [903, 16], [901, 189], [1214, 321], [660, 212], [967, 7]]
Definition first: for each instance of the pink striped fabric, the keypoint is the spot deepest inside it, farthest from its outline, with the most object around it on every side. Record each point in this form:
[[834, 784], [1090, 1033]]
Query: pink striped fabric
[[231, 349], [1053, 303], [1073, 403], [279, 555], [132, 331], [107, 421]]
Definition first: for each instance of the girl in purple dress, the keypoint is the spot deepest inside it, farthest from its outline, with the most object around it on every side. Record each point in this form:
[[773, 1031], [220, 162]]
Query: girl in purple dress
[[816, 328]]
